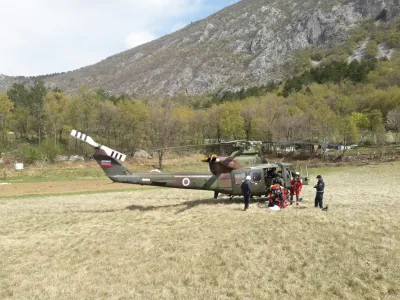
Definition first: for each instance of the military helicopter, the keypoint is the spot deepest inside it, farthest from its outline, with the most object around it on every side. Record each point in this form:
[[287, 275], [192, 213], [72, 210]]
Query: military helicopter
[[227, 172]]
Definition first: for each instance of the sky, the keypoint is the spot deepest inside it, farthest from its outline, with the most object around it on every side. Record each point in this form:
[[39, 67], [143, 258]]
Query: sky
[[49, 36]]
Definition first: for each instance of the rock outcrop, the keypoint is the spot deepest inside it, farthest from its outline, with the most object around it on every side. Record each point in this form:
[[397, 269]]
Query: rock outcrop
[[245, 44]]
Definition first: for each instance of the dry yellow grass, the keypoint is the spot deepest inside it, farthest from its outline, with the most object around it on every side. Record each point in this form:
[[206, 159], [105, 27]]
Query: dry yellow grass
[[175, 244]]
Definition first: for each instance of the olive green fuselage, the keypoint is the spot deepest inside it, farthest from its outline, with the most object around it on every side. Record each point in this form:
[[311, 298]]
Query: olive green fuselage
[[226, 183]]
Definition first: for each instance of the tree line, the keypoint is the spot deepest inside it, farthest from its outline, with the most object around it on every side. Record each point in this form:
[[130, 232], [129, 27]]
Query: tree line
[[35, 122]]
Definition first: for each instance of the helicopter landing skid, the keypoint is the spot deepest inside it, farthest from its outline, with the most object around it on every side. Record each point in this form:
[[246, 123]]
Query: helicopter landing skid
[[233, 196]]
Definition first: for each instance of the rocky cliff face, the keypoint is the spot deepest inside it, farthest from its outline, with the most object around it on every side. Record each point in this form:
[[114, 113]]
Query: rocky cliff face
[[244, 44]]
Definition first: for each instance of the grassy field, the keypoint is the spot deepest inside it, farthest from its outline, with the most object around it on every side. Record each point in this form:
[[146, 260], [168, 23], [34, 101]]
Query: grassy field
[[181, 244]]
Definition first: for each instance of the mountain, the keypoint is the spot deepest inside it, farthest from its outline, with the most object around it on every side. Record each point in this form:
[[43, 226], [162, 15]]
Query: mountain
[[245, 44]]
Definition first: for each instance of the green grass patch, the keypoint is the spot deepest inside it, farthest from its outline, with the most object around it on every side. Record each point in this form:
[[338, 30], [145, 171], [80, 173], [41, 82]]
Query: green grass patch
[[90, 172], [76, 193], [371, 150]]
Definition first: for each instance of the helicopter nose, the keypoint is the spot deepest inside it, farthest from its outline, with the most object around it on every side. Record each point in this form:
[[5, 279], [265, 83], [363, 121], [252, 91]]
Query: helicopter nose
[[211, 158], [214, 158]]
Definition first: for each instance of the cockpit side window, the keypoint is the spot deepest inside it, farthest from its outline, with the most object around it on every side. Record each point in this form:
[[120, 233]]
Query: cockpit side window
[[239, 178], [256, 176]]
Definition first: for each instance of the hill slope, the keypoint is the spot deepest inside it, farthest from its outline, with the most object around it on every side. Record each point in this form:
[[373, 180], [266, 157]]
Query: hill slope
[[245, 44]]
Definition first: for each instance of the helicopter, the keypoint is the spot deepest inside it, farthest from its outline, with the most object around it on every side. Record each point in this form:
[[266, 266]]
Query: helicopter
[[226, 172]]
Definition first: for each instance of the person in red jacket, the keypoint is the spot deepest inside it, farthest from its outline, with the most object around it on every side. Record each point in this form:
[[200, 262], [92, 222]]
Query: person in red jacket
[[296, 187], [277, 196]]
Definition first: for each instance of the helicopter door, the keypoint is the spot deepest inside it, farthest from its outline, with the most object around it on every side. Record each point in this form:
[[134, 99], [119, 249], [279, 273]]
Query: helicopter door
[[237, 179], [257, 183]]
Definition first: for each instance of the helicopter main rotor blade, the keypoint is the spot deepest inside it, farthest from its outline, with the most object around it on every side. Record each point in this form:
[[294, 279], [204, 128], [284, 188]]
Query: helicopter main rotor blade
[[187, 146], [236, 143]]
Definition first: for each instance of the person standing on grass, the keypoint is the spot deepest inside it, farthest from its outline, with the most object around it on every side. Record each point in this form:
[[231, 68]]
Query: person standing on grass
[[246, 191], [320, 186], [296, 187]]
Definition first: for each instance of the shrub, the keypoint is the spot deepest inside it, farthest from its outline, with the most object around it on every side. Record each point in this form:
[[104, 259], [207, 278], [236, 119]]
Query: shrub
[[27, 154], [49, 150], [317, 56]]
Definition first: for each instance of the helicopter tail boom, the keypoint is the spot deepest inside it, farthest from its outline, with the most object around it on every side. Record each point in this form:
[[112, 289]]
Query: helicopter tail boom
[[108, 159]]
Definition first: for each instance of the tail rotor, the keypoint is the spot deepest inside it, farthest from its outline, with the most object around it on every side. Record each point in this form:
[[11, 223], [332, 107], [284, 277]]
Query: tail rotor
[[106, 157], [110, 152]]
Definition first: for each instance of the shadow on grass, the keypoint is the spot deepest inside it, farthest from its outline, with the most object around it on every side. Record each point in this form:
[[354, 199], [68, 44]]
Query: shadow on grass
[[260, 202], [187, 205], [192, 204], [299, 207], [97, 211]]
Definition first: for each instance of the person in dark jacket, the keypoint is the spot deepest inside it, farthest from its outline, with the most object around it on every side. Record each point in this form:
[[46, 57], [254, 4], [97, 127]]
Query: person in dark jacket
[[278, 180], [320, 186], [246, 192]]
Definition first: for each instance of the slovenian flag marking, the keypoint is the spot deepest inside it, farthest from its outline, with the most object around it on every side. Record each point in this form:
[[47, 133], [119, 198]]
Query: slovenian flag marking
[[106, 163]]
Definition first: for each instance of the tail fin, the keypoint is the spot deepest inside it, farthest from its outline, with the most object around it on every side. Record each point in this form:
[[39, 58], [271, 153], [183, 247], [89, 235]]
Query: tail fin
[[109, 165], [104, 156]]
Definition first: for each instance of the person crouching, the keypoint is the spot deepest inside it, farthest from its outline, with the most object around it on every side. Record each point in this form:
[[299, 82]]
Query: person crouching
[[276, 196]]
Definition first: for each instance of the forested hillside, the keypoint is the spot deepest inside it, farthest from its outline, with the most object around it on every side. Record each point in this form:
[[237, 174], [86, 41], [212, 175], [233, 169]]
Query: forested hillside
[[335, 101], [35, 122]]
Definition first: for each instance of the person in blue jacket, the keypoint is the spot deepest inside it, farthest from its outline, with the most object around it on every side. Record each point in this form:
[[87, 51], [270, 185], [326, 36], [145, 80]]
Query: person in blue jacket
[[246, 191]]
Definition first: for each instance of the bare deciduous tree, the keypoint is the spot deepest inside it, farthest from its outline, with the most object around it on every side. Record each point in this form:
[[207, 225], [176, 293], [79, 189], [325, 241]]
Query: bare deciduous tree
[[393, 120], [163, 128]]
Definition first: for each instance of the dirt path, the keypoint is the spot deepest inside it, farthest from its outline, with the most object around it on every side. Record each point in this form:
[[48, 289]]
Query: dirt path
[[29, 188]]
